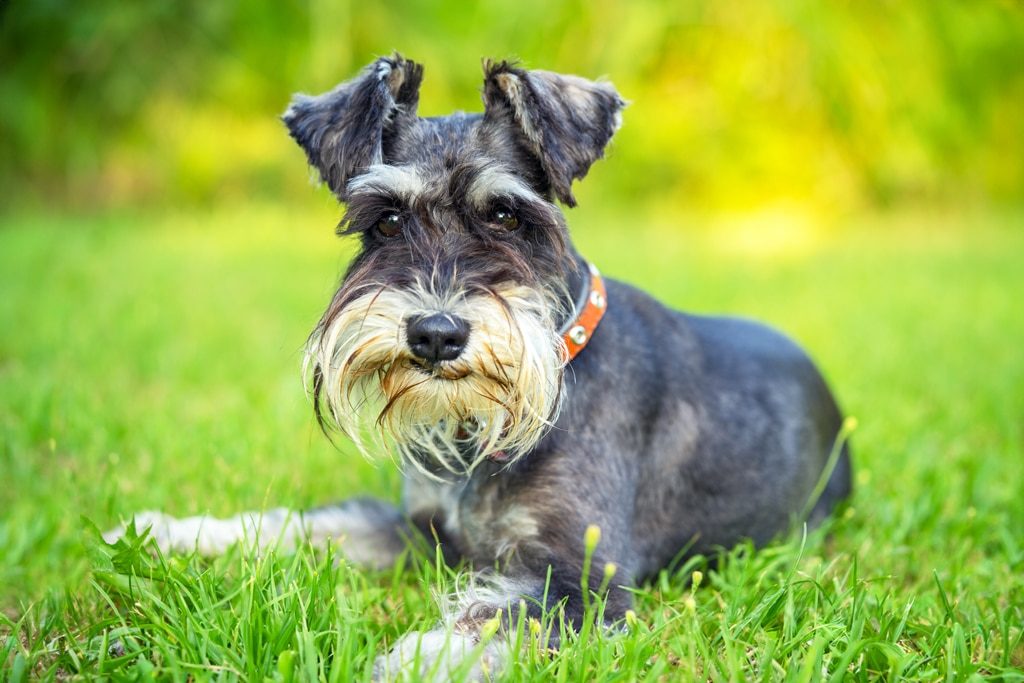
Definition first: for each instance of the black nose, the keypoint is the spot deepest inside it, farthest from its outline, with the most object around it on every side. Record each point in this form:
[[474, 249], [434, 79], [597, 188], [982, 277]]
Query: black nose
[[437, 337]]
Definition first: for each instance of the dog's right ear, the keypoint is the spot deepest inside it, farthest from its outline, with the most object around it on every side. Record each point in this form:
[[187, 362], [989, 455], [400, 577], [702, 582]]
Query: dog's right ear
[[565, 121], [344, 131]]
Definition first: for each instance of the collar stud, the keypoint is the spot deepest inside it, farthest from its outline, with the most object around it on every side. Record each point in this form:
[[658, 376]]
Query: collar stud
[[578, 335]]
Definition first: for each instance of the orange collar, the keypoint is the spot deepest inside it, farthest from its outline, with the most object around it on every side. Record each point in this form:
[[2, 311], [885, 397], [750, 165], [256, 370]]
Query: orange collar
[[588, 314]]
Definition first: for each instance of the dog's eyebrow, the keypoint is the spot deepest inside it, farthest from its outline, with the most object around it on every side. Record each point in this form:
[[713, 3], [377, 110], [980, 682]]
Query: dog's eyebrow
[[491, 182], [404, 182]]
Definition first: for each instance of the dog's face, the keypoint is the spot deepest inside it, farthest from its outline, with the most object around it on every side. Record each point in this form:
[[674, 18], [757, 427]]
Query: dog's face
[[443, 341]]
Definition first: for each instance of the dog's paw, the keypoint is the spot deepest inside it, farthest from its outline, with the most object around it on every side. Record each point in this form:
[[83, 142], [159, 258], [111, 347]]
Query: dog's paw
[[441, 655]]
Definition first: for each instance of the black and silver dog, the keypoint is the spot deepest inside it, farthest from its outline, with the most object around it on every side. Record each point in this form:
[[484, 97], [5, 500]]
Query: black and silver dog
[[526, 397]]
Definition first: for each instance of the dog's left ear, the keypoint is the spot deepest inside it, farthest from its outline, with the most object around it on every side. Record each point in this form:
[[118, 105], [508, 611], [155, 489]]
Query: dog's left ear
[[565, 121], [346, 130]]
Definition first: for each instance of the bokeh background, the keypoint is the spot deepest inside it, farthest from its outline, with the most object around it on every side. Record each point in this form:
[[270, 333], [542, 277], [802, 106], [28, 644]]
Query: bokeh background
[[735, 103], [849, 171]]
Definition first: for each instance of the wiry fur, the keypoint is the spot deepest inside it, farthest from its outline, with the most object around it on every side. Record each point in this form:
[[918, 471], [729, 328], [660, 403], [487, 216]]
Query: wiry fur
[[343, 131], [501, 394], [550, 109], [675, 434]]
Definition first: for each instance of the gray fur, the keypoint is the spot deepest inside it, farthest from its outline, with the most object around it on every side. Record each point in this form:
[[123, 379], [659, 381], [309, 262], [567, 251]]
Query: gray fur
[[565, 121], [679, 434], [343, 131]]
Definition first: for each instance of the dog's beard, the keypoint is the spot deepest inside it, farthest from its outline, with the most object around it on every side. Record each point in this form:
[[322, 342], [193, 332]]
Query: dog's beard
[[499, 396]]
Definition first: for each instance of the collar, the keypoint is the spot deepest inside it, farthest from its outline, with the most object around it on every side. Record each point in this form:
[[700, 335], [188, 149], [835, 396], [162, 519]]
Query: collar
[[590, 308]]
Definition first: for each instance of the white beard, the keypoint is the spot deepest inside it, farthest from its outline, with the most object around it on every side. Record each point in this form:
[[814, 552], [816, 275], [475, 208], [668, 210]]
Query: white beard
[[501, 394]]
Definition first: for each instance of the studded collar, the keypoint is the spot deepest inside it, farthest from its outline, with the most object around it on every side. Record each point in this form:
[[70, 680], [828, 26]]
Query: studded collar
[[590, 308]]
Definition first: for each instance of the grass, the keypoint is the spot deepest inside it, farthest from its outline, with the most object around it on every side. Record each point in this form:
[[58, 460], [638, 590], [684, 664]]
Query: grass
[[152, 361]]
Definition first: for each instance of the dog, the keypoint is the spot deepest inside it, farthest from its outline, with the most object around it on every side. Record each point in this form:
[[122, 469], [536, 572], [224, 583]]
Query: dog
[[527, 398]]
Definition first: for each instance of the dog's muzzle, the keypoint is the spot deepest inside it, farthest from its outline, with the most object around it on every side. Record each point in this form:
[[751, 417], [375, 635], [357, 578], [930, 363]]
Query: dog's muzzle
[[442, 380]]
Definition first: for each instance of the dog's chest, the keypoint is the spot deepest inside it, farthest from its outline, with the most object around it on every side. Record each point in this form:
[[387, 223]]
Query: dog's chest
[[485, 523]]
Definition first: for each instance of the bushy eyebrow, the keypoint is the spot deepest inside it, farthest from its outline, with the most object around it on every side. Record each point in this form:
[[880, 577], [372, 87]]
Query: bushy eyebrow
[[494, 182], [401, 182]]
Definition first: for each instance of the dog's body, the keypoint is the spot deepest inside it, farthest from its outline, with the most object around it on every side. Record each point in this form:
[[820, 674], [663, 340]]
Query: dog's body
[[674, 434]]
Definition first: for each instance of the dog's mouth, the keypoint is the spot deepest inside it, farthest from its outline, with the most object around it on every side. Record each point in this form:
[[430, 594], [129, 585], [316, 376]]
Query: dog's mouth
[[446, 370]]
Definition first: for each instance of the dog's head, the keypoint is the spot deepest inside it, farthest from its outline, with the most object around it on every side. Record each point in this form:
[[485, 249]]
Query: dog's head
[[443, 340]]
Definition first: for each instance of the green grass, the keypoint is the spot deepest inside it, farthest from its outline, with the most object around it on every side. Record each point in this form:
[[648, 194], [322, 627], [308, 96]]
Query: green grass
[[152, 361]]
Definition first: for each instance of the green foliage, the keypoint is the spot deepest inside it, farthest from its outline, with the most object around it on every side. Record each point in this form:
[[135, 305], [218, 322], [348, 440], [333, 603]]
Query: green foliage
[[158, 368], [742, 102]]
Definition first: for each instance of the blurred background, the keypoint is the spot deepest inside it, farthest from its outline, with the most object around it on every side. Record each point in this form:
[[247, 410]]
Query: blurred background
[[736, 104], [850, 171]]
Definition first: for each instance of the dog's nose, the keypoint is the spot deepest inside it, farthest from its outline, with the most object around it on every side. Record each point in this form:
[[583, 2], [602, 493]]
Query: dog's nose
[[437, 337]]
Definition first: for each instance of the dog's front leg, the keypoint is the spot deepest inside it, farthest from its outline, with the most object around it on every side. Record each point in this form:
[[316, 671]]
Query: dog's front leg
[[468, 644], [370, 532], [473, 640]]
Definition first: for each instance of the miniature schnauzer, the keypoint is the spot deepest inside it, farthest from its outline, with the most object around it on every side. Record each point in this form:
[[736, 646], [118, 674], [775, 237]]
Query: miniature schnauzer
[[526, 397]]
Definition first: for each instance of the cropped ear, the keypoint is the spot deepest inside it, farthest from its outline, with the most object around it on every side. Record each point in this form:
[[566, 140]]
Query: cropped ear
[[565, 121], [343, 131]]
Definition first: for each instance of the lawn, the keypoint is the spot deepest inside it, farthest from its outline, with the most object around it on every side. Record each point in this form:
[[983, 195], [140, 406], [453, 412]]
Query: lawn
[[151, 361]]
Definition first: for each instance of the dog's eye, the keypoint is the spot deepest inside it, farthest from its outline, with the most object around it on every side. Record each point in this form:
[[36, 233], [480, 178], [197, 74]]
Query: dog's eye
[[504, 219], [390, 224]]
